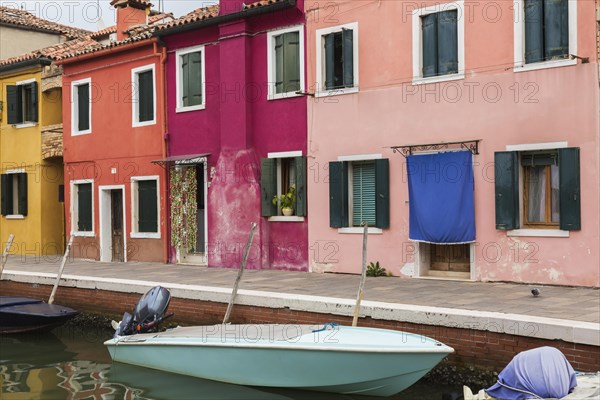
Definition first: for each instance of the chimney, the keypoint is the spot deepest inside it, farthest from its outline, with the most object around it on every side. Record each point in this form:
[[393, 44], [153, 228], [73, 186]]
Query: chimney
[[233, 6], [130, 13]]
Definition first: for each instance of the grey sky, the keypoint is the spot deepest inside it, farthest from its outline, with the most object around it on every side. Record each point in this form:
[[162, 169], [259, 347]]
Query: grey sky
[[94, 14]]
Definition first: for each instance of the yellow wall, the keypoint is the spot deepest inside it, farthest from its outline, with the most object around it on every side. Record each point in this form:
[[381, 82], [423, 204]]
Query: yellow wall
[[52, 110]]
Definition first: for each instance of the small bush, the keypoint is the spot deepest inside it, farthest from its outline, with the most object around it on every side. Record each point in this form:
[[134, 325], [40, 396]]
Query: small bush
[[373, 269]]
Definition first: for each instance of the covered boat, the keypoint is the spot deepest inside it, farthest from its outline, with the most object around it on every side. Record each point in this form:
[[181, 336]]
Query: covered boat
[[22, 314]]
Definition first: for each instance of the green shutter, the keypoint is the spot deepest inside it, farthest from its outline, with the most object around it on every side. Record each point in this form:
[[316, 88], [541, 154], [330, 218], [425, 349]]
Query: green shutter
[[147, 206], [556, 29], [348, 57], [83, 107], [338, 194], [195, 79], [330, 61], [363, 193], [33, 103], [268, 186], [506, 173], [14, 105], [534, 31], [22, 185], [291, 67], [430, 56], [6, 194], [84, 207], [300, 163], [382, 193], [146, 96], [447, 43], [185, 80], [279, 64], [570, 190]]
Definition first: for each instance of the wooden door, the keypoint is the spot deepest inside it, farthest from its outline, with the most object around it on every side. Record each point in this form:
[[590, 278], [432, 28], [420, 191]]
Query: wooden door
[[450, 258], [116, 206]]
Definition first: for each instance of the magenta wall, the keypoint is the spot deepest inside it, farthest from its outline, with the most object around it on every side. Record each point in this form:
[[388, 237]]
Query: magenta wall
[[238, 127]]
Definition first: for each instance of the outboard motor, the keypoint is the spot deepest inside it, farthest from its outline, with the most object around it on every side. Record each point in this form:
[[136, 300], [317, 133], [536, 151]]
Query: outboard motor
[[148, 313]]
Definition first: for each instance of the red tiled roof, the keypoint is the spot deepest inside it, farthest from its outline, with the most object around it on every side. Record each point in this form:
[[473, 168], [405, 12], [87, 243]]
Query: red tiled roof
[[260, 3], [55, 52], [26, 20], [104, 32], [193, 16]]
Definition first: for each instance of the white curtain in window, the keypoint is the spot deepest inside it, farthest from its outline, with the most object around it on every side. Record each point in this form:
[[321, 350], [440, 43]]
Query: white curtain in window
[[555, 193], [537, 194]]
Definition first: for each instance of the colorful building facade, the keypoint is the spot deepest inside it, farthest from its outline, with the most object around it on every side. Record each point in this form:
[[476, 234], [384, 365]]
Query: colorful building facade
[[236, 134], [404, 90]]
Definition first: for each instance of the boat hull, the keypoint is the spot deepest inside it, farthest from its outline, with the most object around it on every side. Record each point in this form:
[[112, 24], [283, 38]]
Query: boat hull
[[20, 314], [345, 366]]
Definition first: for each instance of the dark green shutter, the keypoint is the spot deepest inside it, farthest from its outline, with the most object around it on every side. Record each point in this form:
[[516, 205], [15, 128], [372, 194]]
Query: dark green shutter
[[556, 29], [338, 194], [14, 105], [33, 103], [534, 31], [330, 61], [382, 193], [300, 163], [22, 185], [146, 96], [348, 57], [291, 67], [430, 56], [195, 79], [185, 84], [506, 170], [6, 194], [447, 43], [570, 191], [268, 186], [147, 206], [84, 207], [279, 62], [83, 107]]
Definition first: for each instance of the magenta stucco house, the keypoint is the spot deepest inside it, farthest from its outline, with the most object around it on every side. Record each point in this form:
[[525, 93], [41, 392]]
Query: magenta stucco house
[[465, 133], [236, 134]]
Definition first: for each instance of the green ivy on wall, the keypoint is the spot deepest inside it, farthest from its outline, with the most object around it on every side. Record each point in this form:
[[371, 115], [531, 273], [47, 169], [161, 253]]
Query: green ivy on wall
[[183, 208]]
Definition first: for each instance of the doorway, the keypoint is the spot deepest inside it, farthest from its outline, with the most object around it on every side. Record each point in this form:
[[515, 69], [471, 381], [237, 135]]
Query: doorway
[[449, 261], [113, 246], [195, 251]]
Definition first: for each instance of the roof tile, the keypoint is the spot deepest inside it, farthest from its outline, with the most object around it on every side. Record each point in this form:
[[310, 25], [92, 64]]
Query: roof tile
[[26, 20]]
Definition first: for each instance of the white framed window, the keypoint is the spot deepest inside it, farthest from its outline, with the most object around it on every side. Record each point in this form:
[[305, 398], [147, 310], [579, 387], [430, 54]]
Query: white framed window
[[13, 194], [285, 62], [82, 207], [337, 60], [22, 103], [283, 186], [545, 34], [438, 41], [145, 207], [81, 107], [190, 77], [143, 95]]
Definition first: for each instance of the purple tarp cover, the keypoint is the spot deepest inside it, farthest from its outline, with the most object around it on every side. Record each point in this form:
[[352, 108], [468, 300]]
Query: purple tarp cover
[[542, 372]]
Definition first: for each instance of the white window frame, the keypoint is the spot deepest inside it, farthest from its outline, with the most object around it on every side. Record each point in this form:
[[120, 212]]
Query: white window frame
[[320, 78], [271, 93], [75, 209], [278, 156], [417, 42], [135, 91], [15, 198], [179, 79], [134, 234], [75, 107], [519, 35]]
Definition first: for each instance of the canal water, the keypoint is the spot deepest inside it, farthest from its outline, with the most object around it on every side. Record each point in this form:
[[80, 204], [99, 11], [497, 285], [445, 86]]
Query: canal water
[[72, 363]]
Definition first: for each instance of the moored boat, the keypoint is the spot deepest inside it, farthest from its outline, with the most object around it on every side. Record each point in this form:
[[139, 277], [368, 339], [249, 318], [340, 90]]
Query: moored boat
[[23, 314]]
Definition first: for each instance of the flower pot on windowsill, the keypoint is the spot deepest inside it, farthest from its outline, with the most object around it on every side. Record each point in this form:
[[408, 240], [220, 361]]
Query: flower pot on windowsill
[[287, 211]]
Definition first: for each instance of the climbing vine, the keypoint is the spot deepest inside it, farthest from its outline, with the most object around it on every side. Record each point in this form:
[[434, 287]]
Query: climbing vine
[[183, 208]]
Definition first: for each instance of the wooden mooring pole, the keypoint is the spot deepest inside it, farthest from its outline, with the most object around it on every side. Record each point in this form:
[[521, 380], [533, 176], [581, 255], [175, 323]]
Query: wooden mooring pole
[[60, 271], [361, 286], [4, 259]]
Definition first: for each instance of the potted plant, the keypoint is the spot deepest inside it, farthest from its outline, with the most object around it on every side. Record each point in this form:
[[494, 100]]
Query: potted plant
[[286, 201]]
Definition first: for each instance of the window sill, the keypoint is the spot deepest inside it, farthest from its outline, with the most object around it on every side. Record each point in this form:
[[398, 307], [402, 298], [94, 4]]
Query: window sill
[[437, 79], [545, 64], [537, 233], [25, 125], [144, 235], [15, 216], [83, 234], [282, 218], [358, 230], [80, 133], [145, 123], [282, 96], [336, 92], [190, 108]]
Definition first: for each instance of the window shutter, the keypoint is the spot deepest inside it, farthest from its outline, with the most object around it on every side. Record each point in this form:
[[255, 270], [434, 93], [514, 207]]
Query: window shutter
[[364, 196], [279, 61], [382, 193], [5, 193], [268, 186], [570, 191], [348, 57], [195, 79], [22, 184], [147, 206], [447, 43], [300, 163], [556, 29], [534, 31], [83, 107], [430, 56], [338, 194], [33, 103], [506, 173], [145, 96], [291, 68], [185, 80], [84, 206], [14, 105], [329, 61]]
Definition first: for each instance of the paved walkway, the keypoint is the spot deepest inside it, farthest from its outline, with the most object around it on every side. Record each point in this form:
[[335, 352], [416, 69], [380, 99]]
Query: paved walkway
[[571, 314]]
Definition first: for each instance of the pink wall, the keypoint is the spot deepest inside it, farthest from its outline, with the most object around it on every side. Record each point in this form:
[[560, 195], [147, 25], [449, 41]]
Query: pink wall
[[492, 103], [238, 127]]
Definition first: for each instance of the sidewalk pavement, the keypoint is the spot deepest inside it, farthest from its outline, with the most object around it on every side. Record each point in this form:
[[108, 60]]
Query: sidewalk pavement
[[567, 313]]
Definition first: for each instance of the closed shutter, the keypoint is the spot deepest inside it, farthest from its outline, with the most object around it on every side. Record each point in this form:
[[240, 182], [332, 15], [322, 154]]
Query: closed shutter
[[506, 174], [146, 96], [570, 190], [300, 163], [382, 193], [33, 103], [147, 206], [6, 194], [14, 105], [534, 31], [84, 207], [268, 186], [447, 43], [185, 80], [330, 61], [348, 57], [279, 63], [338, 194], [195, 79], [291, 69], [22, 185], [363, 193], [556, 29], [430, 56], [83, 107]]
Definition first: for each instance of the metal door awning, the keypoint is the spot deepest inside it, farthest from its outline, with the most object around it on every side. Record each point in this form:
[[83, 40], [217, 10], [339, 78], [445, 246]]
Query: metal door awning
[[407, 150], [190, 159]]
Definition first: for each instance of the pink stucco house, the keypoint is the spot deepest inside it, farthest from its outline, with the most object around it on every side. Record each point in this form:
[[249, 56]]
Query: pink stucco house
[[465, 133], [236, 134]]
